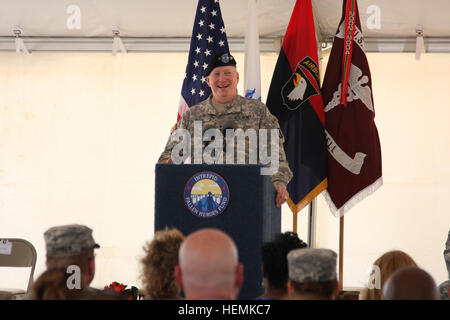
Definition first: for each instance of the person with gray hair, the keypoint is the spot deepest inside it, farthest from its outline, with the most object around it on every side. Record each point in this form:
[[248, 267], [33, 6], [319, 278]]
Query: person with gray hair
[[208, 266], [312, 274], [444, 287]]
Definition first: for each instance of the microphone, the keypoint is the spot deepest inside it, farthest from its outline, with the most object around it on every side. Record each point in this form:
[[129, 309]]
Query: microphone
[[228, 124], [211, 141]]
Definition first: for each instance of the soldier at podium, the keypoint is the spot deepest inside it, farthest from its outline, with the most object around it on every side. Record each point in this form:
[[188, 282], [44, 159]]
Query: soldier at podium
[[226, 109]]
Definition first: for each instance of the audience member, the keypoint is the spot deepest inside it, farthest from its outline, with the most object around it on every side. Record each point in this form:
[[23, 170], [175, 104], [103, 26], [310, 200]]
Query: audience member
[[67, 246], [410, 283], [208, 266], [385, 266], [161, 257], [72, 245], [53, 285], [274, 264], [312, 274], [444, 287]]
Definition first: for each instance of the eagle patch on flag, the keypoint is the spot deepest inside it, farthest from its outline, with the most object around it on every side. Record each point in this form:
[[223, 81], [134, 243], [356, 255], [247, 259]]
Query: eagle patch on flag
[[299, 88]]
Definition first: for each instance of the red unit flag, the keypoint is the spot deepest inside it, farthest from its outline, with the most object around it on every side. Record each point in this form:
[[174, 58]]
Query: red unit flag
[[295, 99]]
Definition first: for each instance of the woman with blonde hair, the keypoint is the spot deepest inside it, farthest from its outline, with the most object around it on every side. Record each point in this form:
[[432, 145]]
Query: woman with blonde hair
[[158, 265], [382, 269]]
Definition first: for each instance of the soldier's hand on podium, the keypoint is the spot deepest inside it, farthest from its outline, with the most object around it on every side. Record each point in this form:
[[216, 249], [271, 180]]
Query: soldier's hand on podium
[[282, 196]]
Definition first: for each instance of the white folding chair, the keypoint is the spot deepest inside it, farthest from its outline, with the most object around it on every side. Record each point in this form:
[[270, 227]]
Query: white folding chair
[[18, 253]]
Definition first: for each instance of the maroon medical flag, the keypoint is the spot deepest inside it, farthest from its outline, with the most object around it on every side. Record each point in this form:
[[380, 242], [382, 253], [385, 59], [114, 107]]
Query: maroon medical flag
[[354, 153], [295, 99]]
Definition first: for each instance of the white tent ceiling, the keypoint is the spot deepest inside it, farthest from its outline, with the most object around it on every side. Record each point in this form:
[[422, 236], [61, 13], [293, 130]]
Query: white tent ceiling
[[173, 19]]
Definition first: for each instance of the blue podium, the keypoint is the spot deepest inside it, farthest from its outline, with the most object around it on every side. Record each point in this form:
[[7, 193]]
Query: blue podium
[[236, 199]]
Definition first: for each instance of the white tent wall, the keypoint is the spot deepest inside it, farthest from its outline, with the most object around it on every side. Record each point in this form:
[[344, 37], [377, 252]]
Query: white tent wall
[[410, 211], [80, 134]]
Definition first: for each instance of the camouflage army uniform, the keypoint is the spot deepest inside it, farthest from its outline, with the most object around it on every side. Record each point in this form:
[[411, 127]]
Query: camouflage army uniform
[[243, 114], [445, 286]]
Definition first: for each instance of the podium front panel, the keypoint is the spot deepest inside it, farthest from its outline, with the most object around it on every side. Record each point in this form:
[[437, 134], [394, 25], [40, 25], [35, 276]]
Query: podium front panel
[[250, 217]]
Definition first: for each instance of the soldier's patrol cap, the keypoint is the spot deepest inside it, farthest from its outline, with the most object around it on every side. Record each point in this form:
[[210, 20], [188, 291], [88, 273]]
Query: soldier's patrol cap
[[220, 60], [73, 238], [312, 265]]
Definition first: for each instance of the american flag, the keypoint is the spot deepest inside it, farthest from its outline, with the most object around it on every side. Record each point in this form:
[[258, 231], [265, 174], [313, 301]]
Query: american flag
[[208, 39]]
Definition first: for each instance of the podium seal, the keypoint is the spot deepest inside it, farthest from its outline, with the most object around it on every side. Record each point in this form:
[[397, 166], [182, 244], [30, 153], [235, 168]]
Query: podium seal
[[206, 194]]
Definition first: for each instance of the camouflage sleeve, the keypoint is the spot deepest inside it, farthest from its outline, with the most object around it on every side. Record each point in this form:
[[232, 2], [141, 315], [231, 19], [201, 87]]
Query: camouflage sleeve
[[447, 254], [284, 173], [444, 289], [166, 154]]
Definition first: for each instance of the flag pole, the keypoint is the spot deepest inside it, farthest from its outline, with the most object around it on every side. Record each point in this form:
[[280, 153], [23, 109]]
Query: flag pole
[[312, 223], [294, 222], [341, 253]]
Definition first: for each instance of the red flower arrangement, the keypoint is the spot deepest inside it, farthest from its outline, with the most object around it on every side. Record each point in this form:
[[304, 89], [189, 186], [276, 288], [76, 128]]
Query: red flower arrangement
[[120, 288]]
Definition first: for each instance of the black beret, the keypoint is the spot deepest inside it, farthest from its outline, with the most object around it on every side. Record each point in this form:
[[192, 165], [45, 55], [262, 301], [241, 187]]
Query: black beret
[[220, 60]]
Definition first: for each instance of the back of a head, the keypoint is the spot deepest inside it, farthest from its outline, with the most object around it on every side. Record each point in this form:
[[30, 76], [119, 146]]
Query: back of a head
[[70, 245], [69, 239], [52, 285], [388, 263], [208, 260], [410, 283], [158, 265], [312, 274], [80, 259], [274, 260]]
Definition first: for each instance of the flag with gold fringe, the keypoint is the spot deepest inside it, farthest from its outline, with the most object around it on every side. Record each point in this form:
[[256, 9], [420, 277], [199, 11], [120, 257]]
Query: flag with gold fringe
[[295, 99]]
